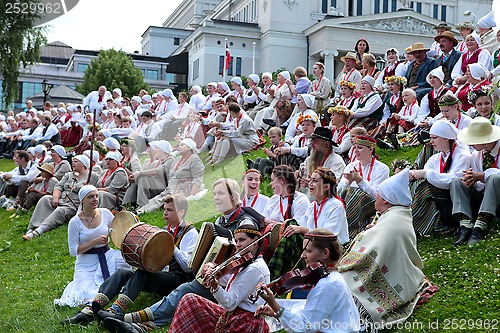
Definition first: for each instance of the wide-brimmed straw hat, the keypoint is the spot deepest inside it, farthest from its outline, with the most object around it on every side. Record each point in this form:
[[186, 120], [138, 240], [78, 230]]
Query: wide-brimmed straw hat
[[350, 55], [479, 131], [47, 168], [419, 47], [449, 35]]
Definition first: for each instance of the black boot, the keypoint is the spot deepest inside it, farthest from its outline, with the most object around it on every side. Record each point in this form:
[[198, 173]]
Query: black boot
[[117, 326], [384, 145], [270, 122], [249, 164], [102, 315], [394, 141], [477, 235], [96, 307], [80, 318], [464, 234]]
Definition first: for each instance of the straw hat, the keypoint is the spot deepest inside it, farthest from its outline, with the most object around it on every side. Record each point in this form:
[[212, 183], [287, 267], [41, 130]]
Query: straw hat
[[47, 168], [466, 26], [449, 35], [479, 131], [419, 47], [350, 55]]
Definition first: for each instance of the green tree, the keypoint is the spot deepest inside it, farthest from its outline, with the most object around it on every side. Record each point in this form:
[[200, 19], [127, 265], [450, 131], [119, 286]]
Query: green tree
[[113, 69], [20, 43]]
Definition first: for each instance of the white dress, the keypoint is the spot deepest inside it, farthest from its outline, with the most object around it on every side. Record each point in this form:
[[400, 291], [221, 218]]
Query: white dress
[[88, 277]]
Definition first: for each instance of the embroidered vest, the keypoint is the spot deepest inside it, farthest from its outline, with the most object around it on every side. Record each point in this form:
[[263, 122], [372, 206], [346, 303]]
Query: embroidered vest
[[472, 60], [433, 102]]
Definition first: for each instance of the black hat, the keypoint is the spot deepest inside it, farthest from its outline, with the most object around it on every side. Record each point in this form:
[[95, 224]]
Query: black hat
[[324, 134]]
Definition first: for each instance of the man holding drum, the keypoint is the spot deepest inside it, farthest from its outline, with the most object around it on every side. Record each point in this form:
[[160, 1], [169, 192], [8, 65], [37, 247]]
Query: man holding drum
[[133, 282]]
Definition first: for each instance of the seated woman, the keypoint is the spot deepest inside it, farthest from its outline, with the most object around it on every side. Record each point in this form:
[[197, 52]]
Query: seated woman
[[482, 100], [251, 197], [61, 165], [327, 211], [359, 183], [405, 119], [192, 129], [368, 109], [305, 103], [393, 103], [185, 176], [353, 133], [286, 206], [237, 136], [321, 88], [431, 204], [385, 286], [450, 110], [474, 54], [429, 106], [130, 161], [113, 183], [338, 124], [369, 63], [88, 241], [235, 312], [393, 68], [477, 76], [55, 210], [346, 99], [330, 300]]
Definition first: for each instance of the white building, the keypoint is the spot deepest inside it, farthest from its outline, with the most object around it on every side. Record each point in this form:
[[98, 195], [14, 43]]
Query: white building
[[291, 33]]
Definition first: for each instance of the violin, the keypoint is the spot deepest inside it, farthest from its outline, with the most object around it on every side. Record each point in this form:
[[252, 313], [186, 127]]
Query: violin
[[228, 268], [308, 277]]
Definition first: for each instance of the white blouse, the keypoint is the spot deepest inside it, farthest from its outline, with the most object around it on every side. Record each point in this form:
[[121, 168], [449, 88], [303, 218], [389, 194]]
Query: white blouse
[[461, 160], [260, 202], [379, 172], [276, 212], [331, 216]]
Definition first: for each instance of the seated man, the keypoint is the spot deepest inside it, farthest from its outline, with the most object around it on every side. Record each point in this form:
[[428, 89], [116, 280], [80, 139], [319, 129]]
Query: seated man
[[417, 70], [133, 282], [25, 171], [475, 195], [227, 201]]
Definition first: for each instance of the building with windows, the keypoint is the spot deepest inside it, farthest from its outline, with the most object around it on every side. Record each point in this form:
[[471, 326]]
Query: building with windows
[[60, 64], [265, 35]]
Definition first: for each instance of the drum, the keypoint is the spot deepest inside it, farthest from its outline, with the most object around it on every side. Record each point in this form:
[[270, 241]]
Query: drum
[[271, 242], [147, 247], [121, 224]]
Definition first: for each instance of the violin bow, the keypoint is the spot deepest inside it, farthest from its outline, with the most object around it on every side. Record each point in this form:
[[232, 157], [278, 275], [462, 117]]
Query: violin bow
[[92, 148]]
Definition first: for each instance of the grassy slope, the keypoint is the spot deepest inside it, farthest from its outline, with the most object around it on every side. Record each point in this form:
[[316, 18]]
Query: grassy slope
[[33, 273]]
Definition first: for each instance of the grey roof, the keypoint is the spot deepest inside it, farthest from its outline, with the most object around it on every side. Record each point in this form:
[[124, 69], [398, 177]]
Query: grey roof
[[56, 50], [62, 92]]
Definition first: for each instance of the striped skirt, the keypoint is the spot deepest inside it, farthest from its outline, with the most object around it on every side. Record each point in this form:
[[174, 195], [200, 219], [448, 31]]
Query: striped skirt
[[360, 208], [196, 314], [366, 122], [431, 207]]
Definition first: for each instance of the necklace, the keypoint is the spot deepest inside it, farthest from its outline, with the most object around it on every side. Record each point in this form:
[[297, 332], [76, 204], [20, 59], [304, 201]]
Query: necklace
[[91, 220]]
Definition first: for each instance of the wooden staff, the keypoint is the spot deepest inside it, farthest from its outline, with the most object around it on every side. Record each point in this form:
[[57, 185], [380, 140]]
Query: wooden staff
[[92, 146]]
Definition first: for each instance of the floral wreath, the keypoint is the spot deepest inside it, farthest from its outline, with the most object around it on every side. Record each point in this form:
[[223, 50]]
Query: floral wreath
[[99, 146], [303, 118], [97, 127], [349, 84], [486, 90], [399, 80], [340, 109]]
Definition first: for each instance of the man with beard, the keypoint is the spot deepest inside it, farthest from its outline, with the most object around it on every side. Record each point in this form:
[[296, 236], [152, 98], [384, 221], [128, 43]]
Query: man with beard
[[321, 155]]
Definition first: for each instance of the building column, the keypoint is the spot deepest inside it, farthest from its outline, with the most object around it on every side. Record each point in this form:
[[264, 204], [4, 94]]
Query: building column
[[329, 56]]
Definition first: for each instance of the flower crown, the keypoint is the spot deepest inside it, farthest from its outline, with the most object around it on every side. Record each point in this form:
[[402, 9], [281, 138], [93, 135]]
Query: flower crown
[[97, 127], [399, 80], [303, 118], [350, 84], [342, 110], [486, 90]]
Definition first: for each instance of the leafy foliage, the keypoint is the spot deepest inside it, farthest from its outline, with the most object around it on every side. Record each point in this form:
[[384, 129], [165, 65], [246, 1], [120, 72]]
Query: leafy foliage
[[112, 69], [20, 45]]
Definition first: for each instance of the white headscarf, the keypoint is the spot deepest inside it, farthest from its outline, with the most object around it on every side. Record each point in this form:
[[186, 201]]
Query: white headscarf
[[190, 143], [444, 129], [478, 71], [285, 74], [86, 189], [395, 189], [83, 159], [255, 78], [111, 143], [308, 99], [487, 21]]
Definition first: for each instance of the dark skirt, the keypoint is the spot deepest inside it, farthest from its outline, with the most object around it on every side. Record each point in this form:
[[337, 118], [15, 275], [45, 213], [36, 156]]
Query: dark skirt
[[360, 209]]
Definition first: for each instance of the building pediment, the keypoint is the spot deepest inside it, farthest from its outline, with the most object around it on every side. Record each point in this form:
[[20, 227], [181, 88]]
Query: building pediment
[[405, 21], [402, 24]]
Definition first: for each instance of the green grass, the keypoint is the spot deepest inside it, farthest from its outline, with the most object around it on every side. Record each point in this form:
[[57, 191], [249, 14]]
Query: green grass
[[34, 273]]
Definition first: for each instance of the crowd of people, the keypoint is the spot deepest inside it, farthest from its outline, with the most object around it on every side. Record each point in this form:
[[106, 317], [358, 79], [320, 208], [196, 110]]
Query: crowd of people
[[331, 193]]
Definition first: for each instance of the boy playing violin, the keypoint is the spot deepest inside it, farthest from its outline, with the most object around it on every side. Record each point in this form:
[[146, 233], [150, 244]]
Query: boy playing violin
[[329, 306]]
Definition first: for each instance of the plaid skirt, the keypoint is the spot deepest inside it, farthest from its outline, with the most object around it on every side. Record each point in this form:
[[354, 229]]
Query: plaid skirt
[[359, 208], [431, 207], [196, 314]]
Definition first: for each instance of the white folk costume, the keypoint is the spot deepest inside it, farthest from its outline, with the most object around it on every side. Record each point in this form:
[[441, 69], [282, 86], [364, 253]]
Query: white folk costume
[[353, 76], [88, 274], [277, 207], [242, 133], [321, 89], [258, 202], [328, 214], [116, 183]]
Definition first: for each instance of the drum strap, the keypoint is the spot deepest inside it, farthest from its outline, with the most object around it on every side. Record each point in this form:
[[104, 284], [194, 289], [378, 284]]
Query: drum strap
[[101, 254], [178, 239]]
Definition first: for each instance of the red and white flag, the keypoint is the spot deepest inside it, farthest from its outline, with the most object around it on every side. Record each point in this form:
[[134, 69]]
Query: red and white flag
[[228, 58]]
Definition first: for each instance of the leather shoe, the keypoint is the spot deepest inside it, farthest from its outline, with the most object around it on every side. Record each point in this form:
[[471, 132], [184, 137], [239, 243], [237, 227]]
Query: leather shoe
[[384, 145], [96, 307], [249, 164], [477, 235], [102, 315], [80, 318], [394, 141], [115, 325], [464, 234], [269, 122]]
